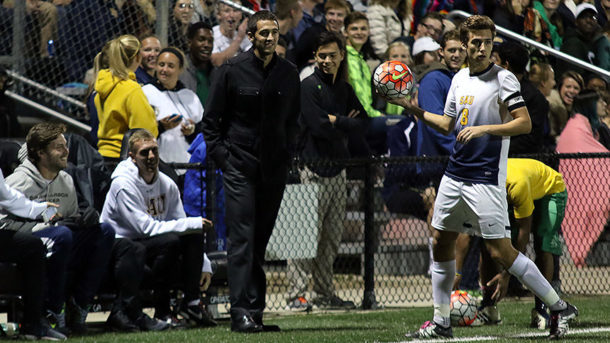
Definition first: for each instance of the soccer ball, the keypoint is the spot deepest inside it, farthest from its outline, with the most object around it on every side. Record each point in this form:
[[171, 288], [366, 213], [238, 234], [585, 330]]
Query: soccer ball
[[463, 309], [393, 79]]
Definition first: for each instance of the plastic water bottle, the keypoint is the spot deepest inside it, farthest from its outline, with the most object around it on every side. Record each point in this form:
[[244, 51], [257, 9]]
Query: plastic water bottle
[[11, 329], [51, 48]]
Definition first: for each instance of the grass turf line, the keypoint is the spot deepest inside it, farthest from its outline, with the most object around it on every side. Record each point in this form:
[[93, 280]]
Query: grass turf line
[[387, 325]]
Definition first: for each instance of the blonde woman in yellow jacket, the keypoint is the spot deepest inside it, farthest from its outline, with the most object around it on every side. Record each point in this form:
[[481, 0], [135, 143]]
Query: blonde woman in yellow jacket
[[120, 102]]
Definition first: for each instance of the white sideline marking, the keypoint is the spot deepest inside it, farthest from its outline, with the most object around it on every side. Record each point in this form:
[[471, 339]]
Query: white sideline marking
[[493, 338]]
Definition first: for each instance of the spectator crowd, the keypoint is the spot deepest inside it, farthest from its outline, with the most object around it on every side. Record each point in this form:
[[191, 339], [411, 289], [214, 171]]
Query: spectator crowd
[[150, 105]]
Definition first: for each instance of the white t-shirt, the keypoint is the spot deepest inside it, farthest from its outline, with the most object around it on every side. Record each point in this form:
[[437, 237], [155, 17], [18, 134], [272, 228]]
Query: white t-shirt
[[222, 42]]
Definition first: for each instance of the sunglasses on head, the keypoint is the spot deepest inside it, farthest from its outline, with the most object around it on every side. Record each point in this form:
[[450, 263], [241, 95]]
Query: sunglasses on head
[[186, 5]]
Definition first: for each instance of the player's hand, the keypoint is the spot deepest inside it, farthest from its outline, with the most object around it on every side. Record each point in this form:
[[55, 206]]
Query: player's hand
[[51, 204], [188, 128], [353, 114], [501, 282], [168, 123], [204, 283], [206, 223], [332, 119], [469, 133], [456, 282]]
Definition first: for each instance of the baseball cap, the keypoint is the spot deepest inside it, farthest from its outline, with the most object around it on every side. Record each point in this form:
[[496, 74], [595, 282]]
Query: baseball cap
[[584, 7], [425, 44]]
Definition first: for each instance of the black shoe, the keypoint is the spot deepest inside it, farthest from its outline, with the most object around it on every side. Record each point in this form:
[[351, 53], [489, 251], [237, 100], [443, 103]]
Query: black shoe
[[118, 321], [196, 315], [258, 319], [173, 322], [42, 332], [76, 317], [333, 303], [145, 323], [245, 324]]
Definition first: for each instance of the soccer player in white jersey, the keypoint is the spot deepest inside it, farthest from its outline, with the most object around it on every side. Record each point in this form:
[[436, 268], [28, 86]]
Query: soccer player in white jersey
[[472, 193]]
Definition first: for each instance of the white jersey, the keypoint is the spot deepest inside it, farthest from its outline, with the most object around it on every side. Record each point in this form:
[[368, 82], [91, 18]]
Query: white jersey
[[485, 98]]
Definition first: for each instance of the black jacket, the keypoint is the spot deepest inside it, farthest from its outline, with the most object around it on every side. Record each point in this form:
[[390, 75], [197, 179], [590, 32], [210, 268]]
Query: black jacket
[[538, 139], [321, 139], [250, 118]]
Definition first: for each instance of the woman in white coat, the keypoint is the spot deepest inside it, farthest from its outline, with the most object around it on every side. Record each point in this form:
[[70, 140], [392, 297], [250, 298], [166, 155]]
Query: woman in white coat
[[177, 108]]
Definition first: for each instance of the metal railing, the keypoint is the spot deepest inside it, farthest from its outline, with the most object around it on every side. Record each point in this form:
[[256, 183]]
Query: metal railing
[[545, 48]]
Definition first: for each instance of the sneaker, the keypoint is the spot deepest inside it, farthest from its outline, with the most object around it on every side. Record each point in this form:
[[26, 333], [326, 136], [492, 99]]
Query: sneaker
[[145, 323], [334, 302], [42, 332], [560, 319], [487, 315], [119, 321], [299, 304], [172, 321], [77, 317], [540, 319], [57, 321], [431, 330], [196, 315]]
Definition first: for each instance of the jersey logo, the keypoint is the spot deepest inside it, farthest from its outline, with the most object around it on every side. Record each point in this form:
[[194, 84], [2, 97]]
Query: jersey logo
[[156, 206], [466, 100]]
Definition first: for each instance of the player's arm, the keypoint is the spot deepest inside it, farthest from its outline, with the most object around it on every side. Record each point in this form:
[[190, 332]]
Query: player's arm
[[521, 124], [523, 237], [441, 123], [462, 244]]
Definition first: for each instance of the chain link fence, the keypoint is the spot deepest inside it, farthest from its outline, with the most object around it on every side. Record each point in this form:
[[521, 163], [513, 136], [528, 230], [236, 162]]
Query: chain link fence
[[374, 213], [50, 45]]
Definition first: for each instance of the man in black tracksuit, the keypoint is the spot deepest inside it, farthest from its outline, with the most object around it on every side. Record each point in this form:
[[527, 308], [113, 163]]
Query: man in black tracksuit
[[249, 121], [331, 115]]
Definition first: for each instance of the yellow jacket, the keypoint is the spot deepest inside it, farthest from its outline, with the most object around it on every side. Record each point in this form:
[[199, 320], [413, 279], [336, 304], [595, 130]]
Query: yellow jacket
[[121, 105]]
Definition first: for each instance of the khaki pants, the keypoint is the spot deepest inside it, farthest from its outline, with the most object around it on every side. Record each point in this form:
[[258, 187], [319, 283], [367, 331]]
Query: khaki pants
[[332, 197]]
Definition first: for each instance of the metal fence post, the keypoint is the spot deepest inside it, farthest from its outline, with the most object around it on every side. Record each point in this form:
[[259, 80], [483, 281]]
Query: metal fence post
[[19, 36], [161, 30], [369, 302]]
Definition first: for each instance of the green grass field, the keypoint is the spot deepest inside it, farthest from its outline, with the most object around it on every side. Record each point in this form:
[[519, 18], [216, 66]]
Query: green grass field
[[389, 325]]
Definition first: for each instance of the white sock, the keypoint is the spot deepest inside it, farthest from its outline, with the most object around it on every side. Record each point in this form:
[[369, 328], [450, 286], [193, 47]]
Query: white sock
[[443, 274], [528, 273]]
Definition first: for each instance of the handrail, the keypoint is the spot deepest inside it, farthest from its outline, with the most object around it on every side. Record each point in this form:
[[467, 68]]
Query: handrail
[[558, 54], [64, 118], [238, 6], [44, 88]]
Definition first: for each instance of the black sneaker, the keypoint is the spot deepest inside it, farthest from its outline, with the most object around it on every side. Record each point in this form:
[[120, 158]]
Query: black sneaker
[[119, 321], [196, 315], [76, 317], [42, 332], [431, 330], [333, 303], [145, 323], [560, 320], [174, 323]]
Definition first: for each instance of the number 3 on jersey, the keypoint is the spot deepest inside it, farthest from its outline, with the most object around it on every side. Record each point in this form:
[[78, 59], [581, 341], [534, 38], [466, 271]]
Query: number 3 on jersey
[[464, 117]]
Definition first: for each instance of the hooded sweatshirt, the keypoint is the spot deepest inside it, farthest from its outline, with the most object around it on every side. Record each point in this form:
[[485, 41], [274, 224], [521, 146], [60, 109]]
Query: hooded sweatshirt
[[18, 204], [137, 209], [173, 146], [121, 105], [28, 180]]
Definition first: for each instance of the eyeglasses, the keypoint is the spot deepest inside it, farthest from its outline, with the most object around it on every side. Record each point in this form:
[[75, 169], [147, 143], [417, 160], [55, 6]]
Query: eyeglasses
[[432, 28], [191, 6]]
